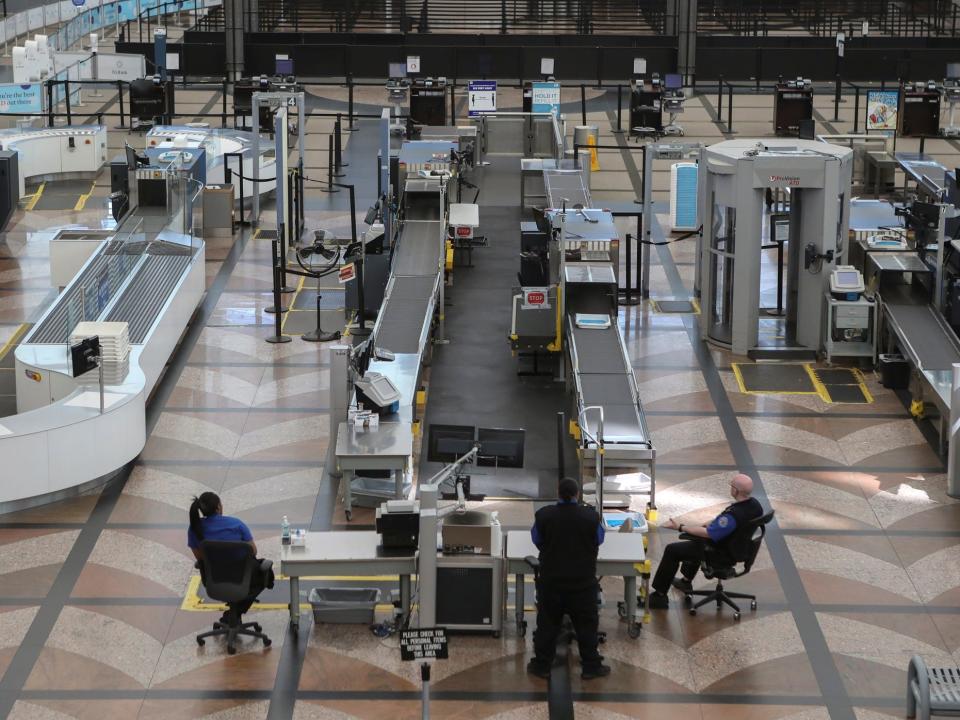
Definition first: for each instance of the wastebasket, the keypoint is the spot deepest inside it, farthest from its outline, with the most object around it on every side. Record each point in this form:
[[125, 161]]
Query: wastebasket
[[894, 371], [344, 605]]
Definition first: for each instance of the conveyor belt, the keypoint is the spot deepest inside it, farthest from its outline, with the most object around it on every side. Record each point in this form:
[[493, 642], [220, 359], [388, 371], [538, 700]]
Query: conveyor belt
[[53, 328], [924, 335], [418, 249], [566, 187], [406, 312], [603, 377], [145, 296]]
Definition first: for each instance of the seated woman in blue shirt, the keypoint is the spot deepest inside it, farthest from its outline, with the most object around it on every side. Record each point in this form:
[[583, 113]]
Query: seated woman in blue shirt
[[207, 522]]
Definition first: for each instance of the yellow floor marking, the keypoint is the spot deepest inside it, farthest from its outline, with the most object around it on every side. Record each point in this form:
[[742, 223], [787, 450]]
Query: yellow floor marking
[[35, 198], [82, 200], [14, 339]]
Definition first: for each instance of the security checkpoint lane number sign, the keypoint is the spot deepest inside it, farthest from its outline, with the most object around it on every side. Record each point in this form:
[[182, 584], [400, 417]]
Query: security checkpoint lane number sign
[[545, 97], [481, 97], [423, 644], [347, 273]]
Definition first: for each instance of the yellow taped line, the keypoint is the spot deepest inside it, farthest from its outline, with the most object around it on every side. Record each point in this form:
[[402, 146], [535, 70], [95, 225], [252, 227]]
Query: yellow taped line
[[14, 339], [82, 200], [35, 198], [863, 386], [820, 387]]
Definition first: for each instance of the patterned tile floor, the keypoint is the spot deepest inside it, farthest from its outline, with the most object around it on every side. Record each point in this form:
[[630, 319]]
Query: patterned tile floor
[[859, 571]]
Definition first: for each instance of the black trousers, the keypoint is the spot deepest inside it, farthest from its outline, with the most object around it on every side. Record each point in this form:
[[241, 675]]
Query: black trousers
[[685, 556], [258, 583], [580, 603]]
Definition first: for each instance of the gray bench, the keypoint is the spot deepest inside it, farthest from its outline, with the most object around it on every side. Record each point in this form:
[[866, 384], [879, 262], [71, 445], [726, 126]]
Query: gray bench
[[932, 691]]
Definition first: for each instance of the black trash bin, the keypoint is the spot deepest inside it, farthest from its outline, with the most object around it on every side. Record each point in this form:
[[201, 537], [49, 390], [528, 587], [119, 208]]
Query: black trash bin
[[894, 371]]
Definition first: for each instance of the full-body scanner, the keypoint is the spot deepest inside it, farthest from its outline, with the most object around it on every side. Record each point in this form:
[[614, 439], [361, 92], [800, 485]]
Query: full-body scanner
[[734, 179]]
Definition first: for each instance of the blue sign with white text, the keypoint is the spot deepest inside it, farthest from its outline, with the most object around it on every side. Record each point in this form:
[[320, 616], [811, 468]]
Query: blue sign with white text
[[21, 98]]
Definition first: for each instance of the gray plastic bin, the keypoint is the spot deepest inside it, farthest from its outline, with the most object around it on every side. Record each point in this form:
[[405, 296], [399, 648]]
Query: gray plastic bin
[[344, 605]]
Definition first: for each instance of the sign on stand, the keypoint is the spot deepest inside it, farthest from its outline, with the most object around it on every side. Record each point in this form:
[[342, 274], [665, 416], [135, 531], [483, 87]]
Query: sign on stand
[[546, 97], [882, 108], [481, 97], [347, 272], [423, 644]]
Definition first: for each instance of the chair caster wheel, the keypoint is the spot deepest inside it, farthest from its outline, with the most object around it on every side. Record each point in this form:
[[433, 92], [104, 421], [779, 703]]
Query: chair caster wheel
[[349, 515], [693, 611], [687, 600], [753, 604], [267, 642], [621, 609], [736, 616], [634, 630], [201, 642], [231, 650]]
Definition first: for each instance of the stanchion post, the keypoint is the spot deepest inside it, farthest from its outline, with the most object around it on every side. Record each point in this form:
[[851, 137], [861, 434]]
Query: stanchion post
[[331, 188], [351, 125], [856, 109], [836, 99], [278, 336], [729, 108], [720, 99], [619, 108], [319, 335], [120, 98], [277, 308], [583, 103], [223, 112], [629, 267]]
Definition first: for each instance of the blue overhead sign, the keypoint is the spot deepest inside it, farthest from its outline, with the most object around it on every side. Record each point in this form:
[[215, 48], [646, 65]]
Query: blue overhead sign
[[21, 98]]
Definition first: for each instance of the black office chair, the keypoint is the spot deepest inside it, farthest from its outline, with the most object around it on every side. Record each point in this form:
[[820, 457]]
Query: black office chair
[[227, 572], [717, 566]]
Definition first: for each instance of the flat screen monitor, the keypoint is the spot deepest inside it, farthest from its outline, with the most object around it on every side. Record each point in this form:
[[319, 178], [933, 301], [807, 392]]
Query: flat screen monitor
[[132, 159], [446, 443], [83, 355], [398, 70], [848, 278], [500, 448], [673, 81], [284, 66], [243, 97]]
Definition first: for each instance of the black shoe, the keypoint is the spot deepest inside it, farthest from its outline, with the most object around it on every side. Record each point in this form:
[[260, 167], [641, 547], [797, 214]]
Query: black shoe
[[682, 584], [597, 671], [659, 601], [539, 669]]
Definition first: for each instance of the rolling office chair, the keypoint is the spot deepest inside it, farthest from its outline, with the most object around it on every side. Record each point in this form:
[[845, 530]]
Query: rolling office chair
[[227, 572], [720, 568]]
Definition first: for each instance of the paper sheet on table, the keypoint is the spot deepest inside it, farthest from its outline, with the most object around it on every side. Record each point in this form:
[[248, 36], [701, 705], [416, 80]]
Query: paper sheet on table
[[90, 399]]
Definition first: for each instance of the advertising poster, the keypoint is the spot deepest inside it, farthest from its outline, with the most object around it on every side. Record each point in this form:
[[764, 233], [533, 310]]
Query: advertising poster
[[481, 97], [21, 98], [882, 106], [546, 97]]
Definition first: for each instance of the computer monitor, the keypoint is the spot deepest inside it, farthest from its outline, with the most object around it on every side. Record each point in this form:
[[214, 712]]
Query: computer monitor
[[500, 448], [134, 159], [446, 443], [673, 81], [284, 66], [83, 355], [398, 70]]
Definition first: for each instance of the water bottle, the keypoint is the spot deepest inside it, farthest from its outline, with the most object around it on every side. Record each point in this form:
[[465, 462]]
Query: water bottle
[[285, 531]]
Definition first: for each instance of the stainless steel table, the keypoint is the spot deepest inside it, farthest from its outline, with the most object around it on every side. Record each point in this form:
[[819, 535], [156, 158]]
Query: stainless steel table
[[621, 554], [344, 553], [389, 446]]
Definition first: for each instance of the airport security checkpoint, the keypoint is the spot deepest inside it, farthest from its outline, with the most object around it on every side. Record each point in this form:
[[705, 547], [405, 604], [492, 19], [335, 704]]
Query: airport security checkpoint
[[554, 377]]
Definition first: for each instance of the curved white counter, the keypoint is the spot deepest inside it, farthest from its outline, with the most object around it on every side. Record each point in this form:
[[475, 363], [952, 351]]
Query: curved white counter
[[48, 152], [66, 446], [218, 142]]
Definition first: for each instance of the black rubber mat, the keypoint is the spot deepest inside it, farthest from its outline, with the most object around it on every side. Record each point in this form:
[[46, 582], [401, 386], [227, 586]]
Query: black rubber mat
[[267, 235], [775, 378], [329, 300], [298, 322], [675, 306], [846, 394], [837, 376]]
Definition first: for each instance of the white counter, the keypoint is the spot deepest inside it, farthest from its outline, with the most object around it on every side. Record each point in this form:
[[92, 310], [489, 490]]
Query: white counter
[[48, 152]]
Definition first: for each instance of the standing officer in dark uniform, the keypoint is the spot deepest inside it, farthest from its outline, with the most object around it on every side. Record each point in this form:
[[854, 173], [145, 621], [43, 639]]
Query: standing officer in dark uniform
[[730, 531], [568, 536]]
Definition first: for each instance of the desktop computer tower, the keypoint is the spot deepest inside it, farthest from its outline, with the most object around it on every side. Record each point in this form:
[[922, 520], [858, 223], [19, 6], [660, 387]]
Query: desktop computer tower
[[9, 185]]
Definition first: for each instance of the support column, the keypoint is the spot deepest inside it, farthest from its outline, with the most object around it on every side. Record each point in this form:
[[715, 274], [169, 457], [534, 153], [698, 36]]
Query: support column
[[233, 21], [953, 436], [686, 39]]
